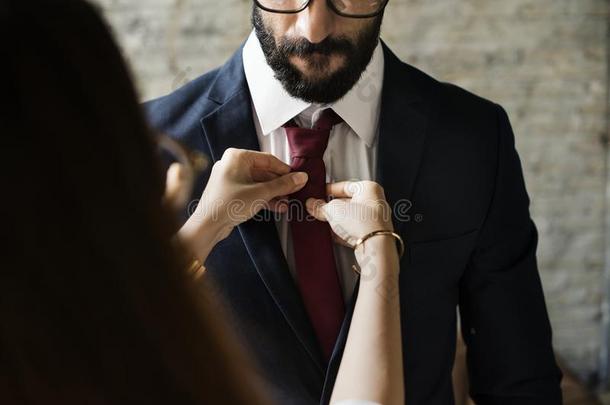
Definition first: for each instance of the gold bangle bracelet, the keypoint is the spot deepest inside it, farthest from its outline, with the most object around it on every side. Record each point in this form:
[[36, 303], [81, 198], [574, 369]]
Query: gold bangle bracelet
[[196, 269], [401, 244]]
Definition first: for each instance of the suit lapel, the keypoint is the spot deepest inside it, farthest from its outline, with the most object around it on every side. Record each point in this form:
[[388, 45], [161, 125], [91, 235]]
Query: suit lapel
[[402, 133], [231, 125], [337, 355]]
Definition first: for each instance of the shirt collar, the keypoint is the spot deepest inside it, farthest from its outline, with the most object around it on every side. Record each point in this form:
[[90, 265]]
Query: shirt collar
[[359, 108]]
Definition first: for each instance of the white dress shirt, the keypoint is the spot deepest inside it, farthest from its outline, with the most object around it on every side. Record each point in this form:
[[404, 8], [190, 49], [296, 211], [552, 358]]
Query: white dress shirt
[[351, 152]]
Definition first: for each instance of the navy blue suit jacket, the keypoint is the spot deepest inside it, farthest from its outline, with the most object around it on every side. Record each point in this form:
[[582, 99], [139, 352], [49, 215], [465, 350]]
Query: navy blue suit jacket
[[447, 162]]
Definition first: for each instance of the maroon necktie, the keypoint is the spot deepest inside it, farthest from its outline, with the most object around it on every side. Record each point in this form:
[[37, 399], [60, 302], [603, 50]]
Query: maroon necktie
[[317, 277]]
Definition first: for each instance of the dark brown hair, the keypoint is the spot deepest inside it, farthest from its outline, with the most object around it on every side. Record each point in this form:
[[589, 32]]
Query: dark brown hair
[[94, 306]]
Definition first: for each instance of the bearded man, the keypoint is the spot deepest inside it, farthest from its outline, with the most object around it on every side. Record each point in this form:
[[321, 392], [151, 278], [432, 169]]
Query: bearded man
[[447, 162]]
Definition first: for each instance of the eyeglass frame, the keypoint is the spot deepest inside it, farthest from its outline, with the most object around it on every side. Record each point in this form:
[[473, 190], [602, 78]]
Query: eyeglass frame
[[330, 5]]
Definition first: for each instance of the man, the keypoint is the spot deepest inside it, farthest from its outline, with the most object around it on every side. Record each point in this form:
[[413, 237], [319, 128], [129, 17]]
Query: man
[[447, 162]]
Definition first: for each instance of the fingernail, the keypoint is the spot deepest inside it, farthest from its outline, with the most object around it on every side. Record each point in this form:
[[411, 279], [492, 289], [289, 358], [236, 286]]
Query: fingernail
[[299, 178]]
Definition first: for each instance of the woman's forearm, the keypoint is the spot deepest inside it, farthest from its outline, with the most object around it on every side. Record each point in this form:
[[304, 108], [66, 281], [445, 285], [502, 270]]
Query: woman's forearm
[[372, 365]]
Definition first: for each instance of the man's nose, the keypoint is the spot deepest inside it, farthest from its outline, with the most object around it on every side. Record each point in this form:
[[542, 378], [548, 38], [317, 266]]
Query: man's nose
[[316, 22]]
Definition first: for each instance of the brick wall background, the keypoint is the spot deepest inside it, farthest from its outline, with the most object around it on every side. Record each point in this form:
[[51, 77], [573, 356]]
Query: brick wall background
[[545, 61]]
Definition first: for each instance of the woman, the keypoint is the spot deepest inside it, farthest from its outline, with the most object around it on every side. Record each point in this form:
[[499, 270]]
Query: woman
[[95, 302]]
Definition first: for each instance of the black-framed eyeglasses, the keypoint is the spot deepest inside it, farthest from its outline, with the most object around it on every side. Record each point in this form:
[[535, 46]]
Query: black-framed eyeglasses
[[344, 8]]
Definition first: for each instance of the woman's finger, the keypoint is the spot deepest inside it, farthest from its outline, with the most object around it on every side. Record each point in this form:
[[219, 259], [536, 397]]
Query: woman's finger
[[268, 162], [283, 185], [342, 189], [259, 175], [315, 208]]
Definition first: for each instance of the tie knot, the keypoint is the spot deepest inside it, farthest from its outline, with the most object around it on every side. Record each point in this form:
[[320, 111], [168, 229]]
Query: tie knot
[[328, 119], [305, 142]]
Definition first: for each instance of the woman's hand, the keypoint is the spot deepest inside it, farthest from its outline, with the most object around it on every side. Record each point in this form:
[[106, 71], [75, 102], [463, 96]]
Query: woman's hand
[[241, 184], [357, 208], [178, 187]]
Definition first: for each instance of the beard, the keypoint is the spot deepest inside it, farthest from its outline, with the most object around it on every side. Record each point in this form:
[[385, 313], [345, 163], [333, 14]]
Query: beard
[[357, 54]]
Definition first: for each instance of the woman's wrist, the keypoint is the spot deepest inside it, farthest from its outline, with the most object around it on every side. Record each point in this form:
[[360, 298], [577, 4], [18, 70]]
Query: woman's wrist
[[202, 232], [380, 237], [370, 247], [379, 252]]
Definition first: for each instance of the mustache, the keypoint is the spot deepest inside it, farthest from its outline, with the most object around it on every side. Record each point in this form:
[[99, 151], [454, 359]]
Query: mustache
[[302, 47]]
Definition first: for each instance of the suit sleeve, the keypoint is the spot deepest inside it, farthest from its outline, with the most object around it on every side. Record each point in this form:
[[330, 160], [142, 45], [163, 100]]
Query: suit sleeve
[[505, 324]]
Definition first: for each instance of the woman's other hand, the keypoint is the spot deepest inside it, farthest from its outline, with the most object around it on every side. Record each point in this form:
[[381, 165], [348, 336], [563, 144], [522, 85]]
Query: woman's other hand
[[357, 208]]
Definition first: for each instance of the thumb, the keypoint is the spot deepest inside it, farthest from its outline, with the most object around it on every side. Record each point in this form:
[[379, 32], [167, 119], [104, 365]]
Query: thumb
[[315, 208]]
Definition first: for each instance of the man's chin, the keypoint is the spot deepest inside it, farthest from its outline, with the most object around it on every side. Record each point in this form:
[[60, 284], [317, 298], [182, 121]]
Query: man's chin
[[317, 76]]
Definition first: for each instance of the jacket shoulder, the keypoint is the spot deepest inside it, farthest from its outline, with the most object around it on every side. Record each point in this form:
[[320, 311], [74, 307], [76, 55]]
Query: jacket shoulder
[[452, 102], [458, 117], [460, 109], [183, 106], [462, 102]]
